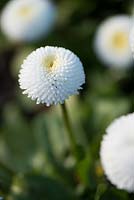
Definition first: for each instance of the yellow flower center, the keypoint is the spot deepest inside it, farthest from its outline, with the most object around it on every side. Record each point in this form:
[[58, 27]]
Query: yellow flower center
[[120, 41], [24, 11], [50, 62]]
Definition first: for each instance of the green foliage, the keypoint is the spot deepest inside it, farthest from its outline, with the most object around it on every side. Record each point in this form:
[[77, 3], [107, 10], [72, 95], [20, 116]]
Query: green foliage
[[41, 187]]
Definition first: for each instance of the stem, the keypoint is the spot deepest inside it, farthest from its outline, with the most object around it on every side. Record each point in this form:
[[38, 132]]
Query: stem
[[69, 131], [100, 191]]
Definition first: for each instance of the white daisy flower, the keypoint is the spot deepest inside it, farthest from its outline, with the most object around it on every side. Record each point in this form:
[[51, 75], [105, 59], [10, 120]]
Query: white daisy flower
[[117, 153], [132, 37], [112, 42], [27, 20], [51, 74]]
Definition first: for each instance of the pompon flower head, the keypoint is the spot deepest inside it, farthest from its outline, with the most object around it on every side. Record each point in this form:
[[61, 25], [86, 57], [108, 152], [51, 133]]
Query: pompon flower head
[[117, 153], [28, 20], [112, 42], [51, 74]]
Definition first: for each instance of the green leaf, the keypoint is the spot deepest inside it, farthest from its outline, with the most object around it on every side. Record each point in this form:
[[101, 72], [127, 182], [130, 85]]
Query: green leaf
[[17, 140], [44, 188]]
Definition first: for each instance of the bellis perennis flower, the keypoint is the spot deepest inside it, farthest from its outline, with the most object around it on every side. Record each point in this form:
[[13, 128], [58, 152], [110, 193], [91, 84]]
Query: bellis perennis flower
[[132, 37], [112, 42], [117, 153], [27, 20], [51, 74]]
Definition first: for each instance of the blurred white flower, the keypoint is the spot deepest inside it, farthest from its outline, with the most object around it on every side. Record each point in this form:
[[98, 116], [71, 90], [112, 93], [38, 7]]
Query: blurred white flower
[[132, 37], [117, 153], [51, 74], [112, 42], [28, 20]]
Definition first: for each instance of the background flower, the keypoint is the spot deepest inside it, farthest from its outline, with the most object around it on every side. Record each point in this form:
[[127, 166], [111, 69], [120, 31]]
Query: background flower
[[28, 20], [112, 42], [117, 149], [132, 37]]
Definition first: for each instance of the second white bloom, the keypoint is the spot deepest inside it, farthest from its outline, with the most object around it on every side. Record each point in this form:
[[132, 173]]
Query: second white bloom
[[117, 153], [28, 20], [112, 42]]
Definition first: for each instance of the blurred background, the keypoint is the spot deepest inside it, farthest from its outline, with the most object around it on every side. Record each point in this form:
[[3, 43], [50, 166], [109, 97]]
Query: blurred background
[[35, 158]]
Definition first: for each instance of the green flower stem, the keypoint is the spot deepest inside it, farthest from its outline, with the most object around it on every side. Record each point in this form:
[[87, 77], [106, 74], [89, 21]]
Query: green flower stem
[[70, 132], [100, 191]]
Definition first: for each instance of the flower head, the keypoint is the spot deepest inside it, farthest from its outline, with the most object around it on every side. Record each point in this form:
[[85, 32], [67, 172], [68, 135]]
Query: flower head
[[27, 20], [132, 39], [51, 74], [117, 153], [112, 42]]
